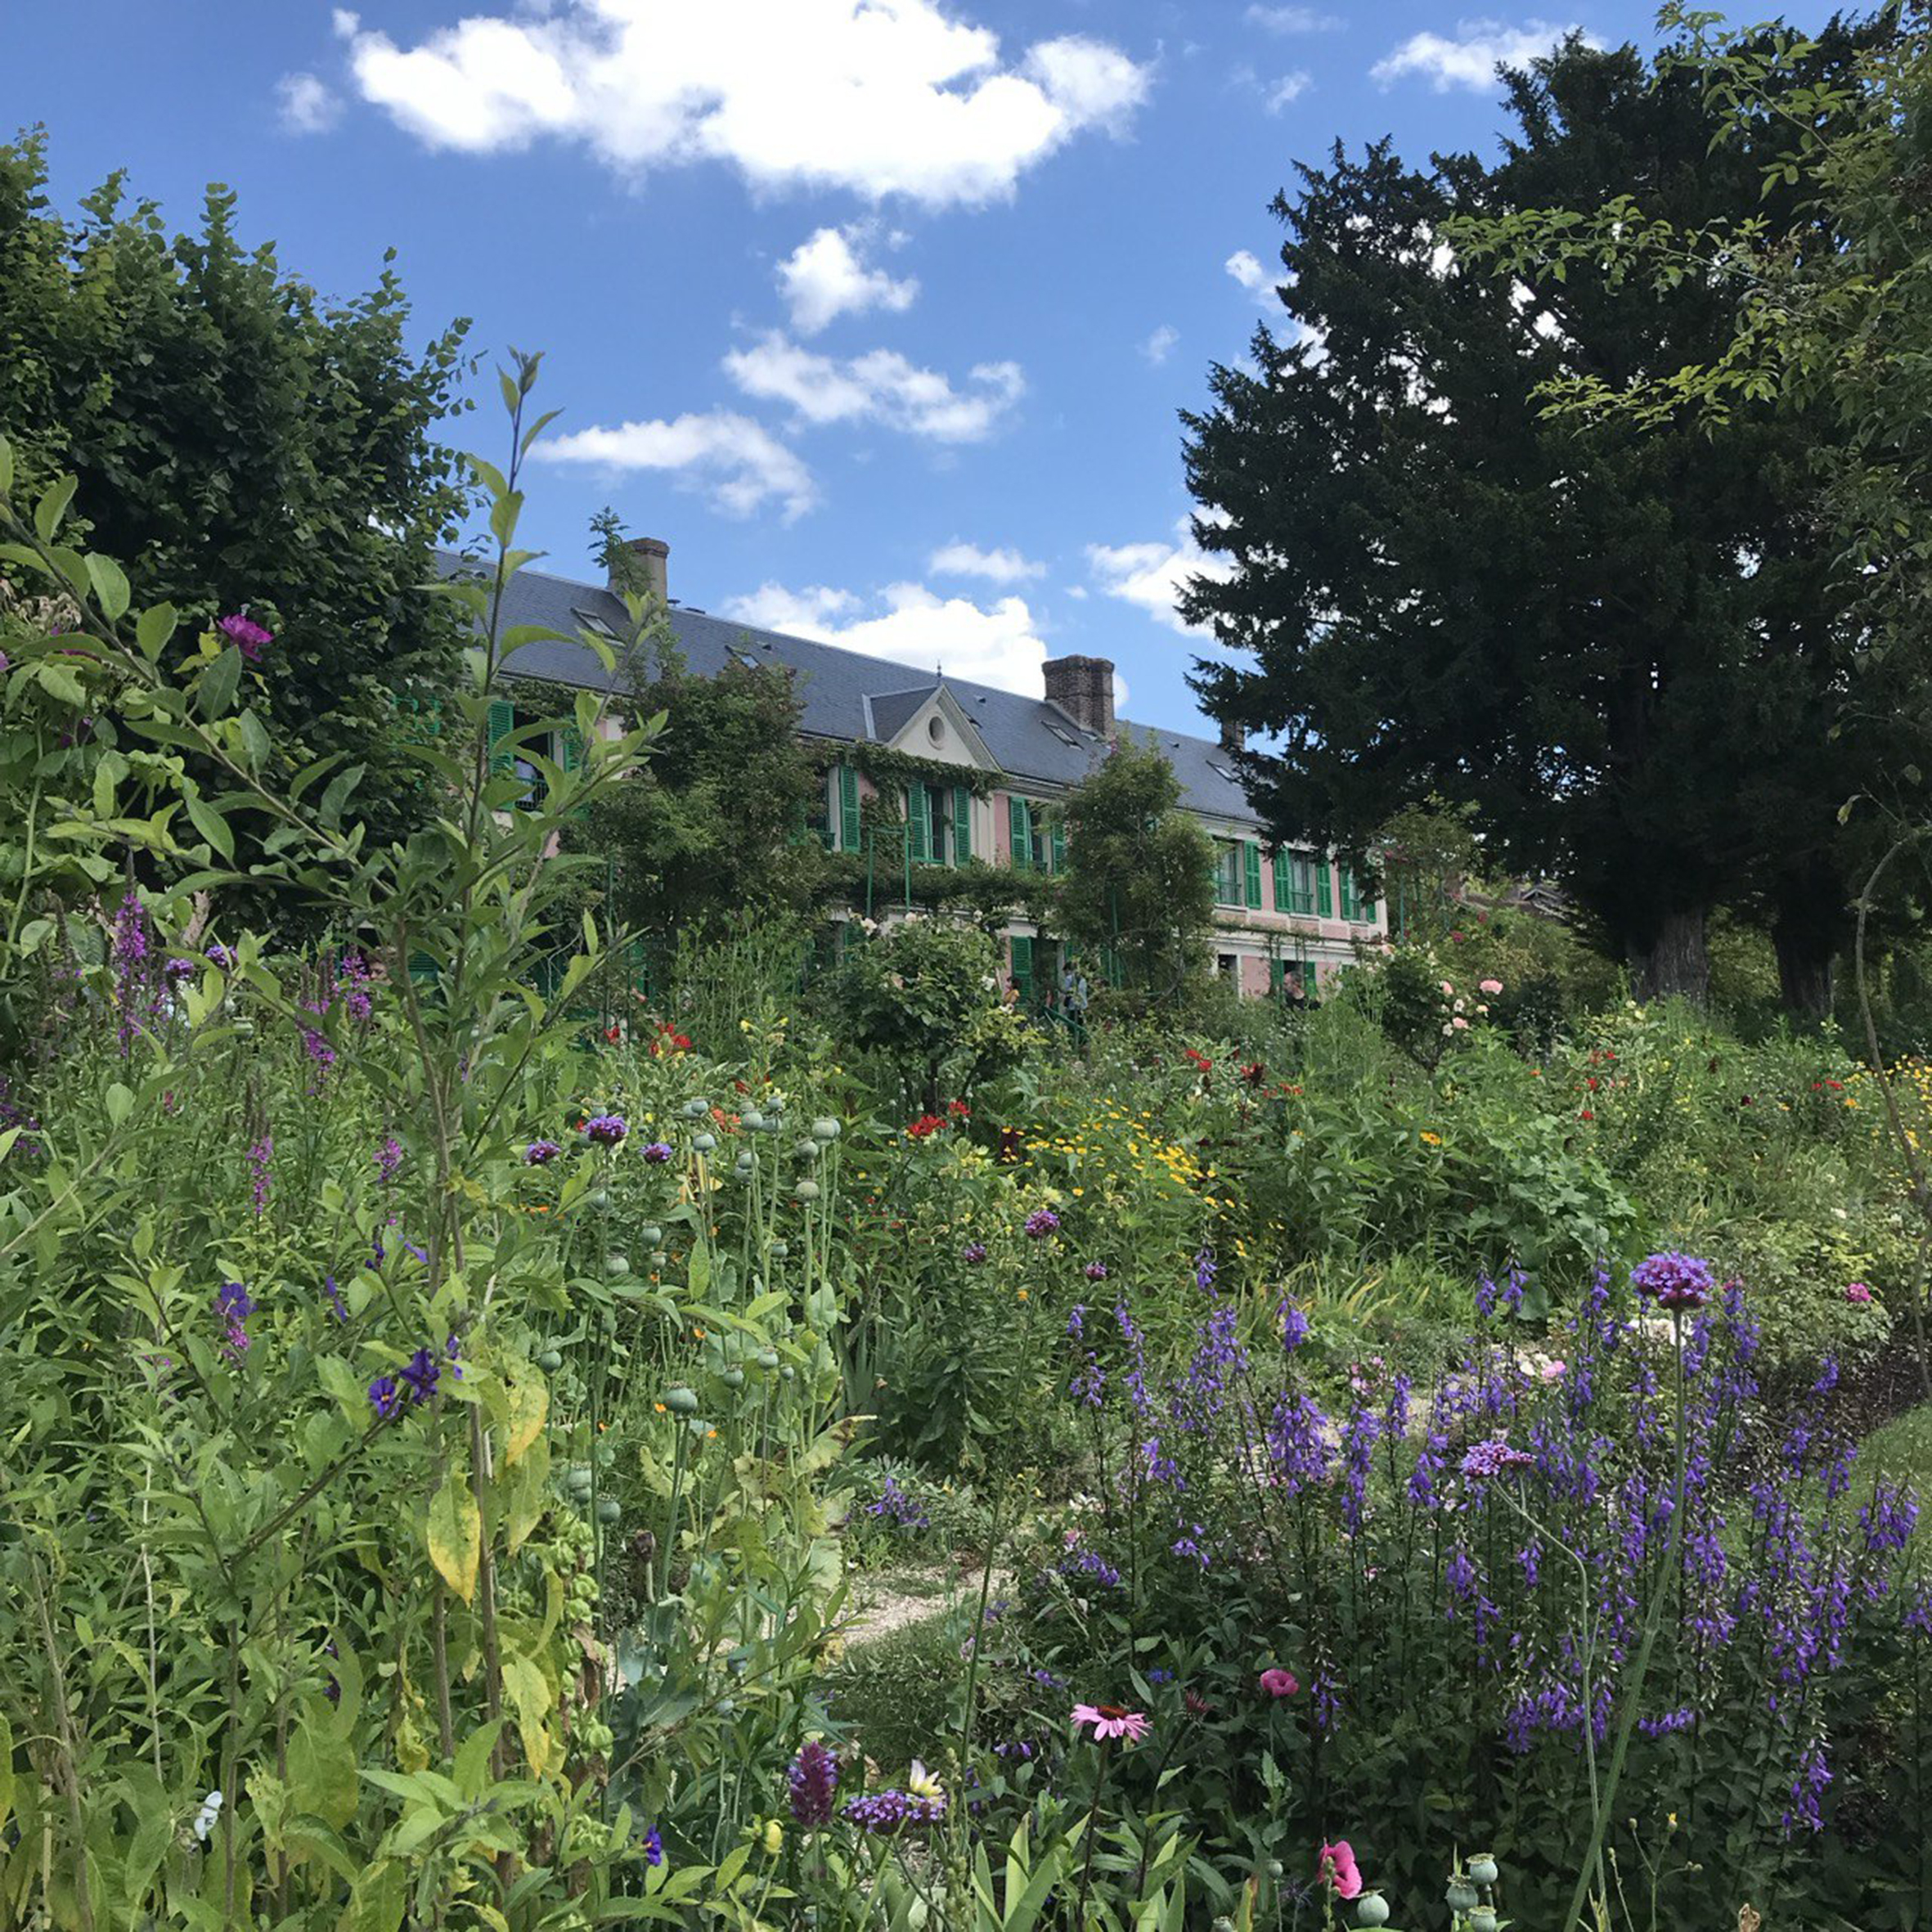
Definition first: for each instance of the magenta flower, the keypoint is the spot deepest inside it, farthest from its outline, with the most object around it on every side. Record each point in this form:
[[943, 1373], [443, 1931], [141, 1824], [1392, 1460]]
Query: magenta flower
[[1339, 1870], [1858, 1293], [248, 637], [1095, 1271], [1110, 1721], [1277, 1683]]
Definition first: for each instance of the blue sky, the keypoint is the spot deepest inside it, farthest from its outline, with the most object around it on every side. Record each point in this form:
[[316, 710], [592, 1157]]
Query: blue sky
[[878, 311]]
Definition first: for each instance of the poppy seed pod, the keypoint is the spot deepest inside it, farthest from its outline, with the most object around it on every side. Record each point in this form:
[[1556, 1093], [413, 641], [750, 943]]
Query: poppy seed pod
[[1482, 1870], [1371, 1909], [1460, 1895], [681, 1401], [825, 1128], [704, 1142], [807, 1190]]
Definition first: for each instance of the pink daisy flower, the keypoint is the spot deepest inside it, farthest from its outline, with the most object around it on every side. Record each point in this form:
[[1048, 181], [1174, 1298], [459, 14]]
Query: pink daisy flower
[[1111, 1720]]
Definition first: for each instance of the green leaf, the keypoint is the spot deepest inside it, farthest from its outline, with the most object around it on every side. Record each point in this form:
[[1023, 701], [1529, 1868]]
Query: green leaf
[[456, 1536], [6, 485], [120, 1103], [110, 587], [53, 507], [214, 695], [336, 795], [322, 1774], [153, 628], [210, 824], [59, 683], [6, 1729]]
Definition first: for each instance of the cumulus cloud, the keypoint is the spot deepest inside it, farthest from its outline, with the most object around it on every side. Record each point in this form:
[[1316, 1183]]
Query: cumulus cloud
[[1149, 575], [1159, 345], [910, 625], [996, 566], [879, 97], [735, 461], [1247, 269], [309, 105], [1294, 19], [1286, 91], [880, 386], [824, 278], [1469, 57]]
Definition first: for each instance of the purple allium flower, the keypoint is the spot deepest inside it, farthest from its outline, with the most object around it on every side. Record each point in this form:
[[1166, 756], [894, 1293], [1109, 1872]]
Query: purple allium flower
[[540, 1150], [421, 1374], [1492, 1458], [658, 1151], [605, 1129], [248, 637], [1042, 1222], [973, 1253], [384, 1397], [653, 1846], [1674, 1280], [814, 1779], [1095, 1271]]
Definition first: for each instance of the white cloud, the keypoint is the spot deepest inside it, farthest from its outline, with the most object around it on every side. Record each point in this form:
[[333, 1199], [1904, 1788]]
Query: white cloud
[[1470, 58], [1159, 345], [1247, 269], [738, 463], [1294, 19], [308, 104], [997, 566], [1150, 575], [1287, 90], [880, 386], [999, 645], [880, 97], [824, 278]]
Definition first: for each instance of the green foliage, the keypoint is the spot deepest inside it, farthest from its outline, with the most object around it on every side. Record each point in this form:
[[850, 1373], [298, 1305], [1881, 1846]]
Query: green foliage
[[236, 443], [1139, 891]]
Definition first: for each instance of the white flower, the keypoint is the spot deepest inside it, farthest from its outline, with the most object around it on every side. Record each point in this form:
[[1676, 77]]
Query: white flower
[[204, 1818]]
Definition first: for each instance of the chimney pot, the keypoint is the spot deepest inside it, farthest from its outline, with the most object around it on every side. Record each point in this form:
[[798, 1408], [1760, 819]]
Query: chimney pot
[[1083, 688], [644, 562]]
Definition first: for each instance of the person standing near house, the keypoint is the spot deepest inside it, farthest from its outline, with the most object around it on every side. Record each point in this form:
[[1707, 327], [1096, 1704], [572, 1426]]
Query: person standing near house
[[1294, 996]]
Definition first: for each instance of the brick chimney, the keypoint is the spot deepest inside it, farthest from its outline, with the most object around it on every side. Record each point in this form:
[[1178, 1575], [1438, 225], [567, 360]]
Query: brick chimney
[[1234, 737], [645, 563], [1083, 688]]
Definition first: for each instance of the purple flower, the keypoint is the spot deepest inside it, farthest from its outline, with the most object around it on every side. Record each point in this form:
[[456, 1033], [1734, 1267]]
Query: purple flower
[[657, 1153], [248, 637], [1492, 1458], [814, 1779], [1887, 1519], [907, 1511], [317, 1048], [220, 956], [389, 1158], [260, 1158], [335, 1300], [233, 1302], [605, 1129], [1095, 1271], [1674, 1280], [1294, 1326], [973, 1253], [540, 1150], [421, 1374], [1042, 1222], [384, 1397], [653, 1846], [1206, 1268], [175, 971], [884, 1812], [454, 1350]]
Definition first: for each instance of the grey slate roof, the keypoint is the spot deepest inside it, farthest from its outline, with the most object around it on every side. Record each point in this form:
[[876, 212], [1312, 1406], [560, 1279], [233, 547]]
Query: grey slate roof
[[1028, 738]]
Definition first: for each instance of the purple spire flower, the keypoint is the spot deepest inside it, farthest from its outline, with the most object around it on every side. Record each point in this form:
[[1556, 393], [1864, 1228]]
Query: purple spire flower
[[814, 1779], [248, 637], [885, 1813], [176, 970], [335, 1301], [389, 1158], [260, 1158]]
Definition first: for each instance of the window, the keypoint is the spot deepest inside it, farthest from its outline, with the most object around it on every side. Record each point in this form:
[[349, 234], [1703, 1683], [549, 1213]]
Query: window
[[1358, 900], [1228, 965], [821, 815], [1064, 735], [939, 822], [1229, 888], [1294, 882], [1039, 839]]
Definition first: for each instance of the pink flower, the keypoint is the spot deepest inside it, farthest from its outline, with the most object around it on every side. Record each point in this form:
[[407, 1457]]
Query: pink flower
[[1554, 1371], [1277, 1683], [1858, 1292], [1338, 1869], [1489, 985], [1111, 1720], [1458, 1024], [1448, 992]]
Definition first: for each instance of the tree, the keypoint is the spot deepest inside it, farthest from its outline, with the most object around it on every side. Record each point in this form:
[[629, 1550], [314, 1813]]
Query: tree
[[1622, 649], [240, 445], [1139, 887]]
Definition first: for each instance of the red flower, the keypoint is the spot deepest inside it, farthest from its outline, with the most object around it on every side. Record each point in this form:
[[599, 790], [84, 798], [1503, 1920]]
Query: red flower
[[614, 1033], [1200, 1060], [1586, 1114], [959, 1110], [1253, 1073], [927, 1123], [1593, 1083]]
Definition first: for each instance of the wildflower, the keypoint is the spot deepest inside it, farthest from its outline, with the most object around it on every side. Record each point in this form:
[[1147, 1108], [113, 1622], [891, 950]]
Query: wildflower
[[389, 1158], [1041, 1223], [1674, 1280], [605, 1129], [174, 971], [1294, 1326], [973, 1253], [260, 1157], [884, 1812], [421, 1373], [653, 1846], [1458, 1025], [317, 1046], [657, 1153], [384, 1397], [1110, 1721], [814, 1779], [248, 637], [921, 1783], [538, 1152], [926, 1124], [1493, 1458], [1339, 1871], [1095, 1271], [335, 1300], [1277, 1683], [1857, 1293], [222, 956], [207, 1816]]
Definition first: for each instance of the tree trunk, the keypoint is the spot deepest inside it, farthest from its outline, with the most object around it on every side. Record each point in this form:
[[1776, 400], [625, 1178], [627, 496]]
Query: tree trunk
[[1677, 965], [1805, 959]]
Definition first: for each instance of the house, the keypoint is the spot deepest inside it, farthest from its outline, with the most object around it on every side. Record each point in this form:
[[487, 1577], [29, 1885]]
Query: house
[[1291, 911]]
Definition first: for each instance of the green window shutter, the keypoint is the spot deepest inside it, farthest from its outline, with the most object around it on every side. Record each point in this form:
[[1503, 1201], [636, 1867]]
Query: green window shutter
[[1059, 846], [919, 822], [1251, 862], [1364, 903], [1023, 967], [848, 809], [1279, 863], [503, 720], [1020, 816], [1346, 880], [962, 824], [1324, 893], [1278, 976]]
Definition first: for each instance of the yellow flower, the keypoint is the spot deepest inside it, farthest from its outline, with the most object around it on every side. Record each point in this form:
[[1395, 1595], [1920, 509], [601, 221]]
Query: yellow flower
[[1430, 1139], [775, 1838]]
